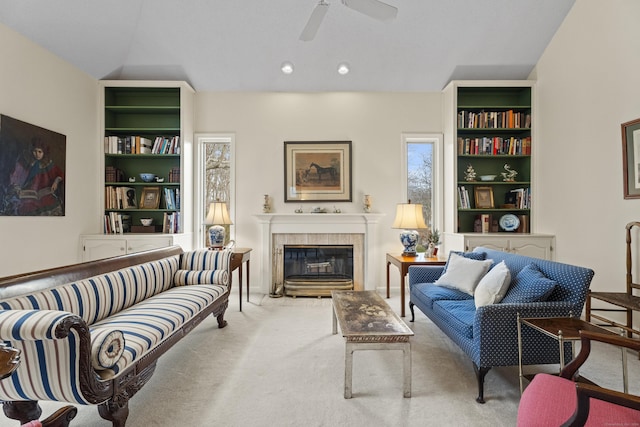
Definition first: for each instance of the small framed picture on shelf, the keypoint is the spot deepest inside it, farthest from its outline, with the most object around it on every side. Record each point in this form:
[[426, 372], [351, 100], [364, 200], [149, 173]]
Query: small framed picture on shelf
[[484, 197], [631, 158], [150, 198]]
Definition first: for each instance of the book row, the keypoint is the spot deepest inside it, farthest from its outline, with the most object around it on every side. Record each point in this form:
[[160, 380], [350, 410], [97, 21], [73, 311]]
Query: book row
[[140, 145], [117, 223], [495, 146], [117, 198], [113, 174], [508, 119], [487, 223], [518, 198]]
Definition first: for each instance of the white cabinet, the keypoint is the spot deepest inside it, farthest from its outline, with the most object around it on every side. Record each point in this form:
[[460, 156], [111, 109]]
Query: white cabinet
[[100, 246], [533, 245]]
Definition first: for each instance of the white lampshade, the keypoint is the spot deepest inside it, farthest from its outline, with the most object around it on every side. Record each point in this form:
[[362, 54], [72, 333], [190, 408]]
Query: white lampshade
[[218, 214], [217, 217], [409, 218]]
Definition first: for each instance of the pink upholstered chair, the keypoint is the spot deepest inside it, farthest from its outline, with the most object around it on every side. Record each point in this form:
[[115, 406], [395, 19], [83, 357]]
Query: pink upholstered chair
[[551, 400]]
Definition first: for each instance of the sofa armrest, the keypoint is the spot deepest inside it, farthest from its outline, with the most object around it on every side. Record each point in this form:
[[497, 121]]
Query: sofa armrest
[[495, 332], [424, 273], [32, 325]]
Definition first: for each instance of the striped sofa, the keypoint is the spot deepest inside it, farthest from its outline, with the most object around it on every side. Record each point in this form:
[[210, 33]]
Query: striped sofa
[[91, 333]]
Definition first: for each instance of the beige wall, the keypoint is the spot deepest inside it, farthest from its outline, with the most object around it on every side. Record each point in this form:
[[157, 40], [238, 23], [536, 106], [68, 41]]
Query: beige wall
[[41, 89], [588, 84], [263, 121]]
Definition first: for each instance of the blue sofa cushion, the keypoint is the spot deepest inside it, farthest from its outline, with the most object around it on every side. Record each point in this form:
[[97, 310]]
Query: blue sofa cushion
[[428, 293], [530, 285], [459, 314]]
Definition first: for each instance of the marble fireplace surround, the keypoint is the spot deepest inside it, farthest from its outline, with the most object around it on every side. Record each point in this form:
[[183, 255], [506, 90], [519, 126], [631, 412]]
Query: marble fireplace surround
[[357, 229]]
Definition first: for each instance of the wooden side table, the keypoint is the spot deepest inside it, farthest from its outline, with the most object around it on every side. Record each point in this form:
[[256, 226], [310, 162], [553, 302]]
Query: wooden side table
[[403, 263], [563, 329], [241, 256]]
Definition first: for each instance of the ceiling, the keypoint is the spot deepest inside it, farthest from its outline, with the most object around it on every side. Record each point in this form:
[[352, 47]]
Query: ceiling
[[239, 45]]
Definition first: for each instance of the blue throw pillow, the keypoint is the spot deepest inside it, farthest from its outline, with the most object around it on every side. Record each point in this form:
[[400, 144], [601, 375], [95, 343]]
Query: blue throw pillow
[[529, 285], [478, 256]]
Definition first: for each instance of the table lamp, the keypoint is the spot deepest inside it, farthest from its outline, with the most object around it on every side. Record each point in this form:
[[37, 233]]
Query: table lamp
[[409, 217], [217, 217]]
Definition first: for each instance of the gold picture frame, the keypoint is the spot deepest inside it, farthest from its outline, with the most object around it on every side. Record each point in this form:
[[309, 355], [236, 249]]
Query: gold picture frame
[[631, 158], [317, 171], [150, 198], [484, 197]]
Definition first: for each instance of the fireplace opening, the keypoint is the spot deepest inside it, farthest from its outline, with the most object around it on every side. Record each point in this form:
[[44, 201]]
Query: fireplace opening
[[316, 270]]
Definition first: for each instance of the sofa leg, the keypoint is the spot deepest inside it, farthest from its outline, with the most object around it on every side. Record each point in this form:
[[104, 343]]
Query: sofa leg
[[114, 412], [413, 315], [480, 374], [221, 322], [23, 411]]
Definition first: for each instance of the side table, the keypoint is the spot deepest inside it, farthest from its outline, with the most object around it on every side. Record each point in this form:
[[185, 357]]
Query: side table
[[403, 263], [241, 256], [563, 329]]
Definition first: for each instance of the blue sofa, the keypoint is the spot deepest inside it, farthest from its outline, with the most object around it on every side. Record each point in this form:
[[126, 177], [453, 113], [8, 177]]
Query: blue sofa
[[489, 334]]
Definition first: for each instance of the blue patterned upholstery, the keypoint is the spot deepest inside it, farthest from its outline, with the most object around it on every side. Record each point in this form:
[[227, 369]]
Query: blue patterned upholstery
[[494, 337], [129, 312]]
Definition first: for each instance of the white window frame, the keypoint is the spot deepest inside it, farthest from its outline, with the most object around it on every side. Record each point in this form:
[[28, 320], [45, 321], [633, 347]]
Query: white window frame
[[438, 172], [198, 217]]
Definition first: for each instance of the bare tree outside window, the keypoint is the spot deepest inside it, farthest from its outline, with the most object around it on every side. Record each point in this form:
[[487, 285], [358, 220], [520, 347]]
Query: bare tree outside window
[[420, 182]]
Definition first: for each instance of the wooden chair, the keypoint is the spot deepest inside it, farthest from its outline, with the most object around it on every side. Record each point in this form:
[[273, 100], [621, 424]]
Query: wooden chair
[[551, 400], [627, 301], [9, 362]]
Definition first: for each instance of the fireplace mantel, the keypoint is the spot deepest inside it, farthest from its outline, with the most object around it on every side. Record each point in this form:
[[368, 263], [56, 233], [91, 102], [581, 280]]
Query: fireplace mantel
[[320, 223]]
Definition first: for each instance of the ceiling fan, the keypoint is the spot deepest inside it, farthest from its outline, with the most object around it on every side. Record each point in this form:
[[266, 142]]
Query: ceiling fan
[[373, 8]]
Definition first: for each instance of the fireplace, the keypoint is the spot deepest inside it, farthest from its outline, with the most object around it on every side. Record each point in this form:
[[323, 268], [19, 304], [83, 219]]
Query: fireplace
[[316, 270], [355, 229]]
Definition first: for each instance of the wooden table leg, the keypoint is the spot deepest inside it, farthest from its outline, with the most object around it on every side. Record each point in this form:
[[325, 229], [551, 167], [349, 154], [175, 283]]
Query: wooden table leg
[[240, 284], [401, 294], [248, 278], [406, 369], [388, 264]]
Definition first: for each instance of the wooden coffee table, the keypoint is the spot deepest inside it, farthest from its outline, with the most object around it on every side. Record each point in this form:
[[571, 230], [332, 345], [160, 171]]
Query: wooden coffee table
[[368, 323]]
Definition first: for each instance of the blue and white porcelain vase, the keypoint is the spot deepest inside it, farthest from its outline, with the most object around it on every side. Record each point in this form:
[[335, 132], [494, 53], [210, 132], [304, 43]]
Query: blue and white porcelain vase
[[216, 236], [409, 239]]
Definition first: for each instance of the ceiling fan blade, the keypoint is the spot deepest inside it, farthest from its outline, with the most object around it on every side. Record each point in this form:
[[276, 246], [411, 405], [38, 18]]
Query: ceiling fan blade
[[310, 30], [373, 8]]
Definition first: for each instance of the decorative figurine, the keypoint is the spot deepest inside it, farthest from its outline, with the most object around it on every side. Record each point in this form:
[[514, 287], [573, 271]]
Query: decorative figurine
[[429, 253], [158, 179], [470, 174], [299, 210], [132, 179], [336, 210], [367, 203], [509, 175], [266, 207]]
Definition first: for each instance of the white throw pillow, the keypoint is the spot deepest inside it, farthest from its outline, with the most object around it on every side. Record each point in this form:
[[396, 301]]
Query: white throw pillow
[[463, 273], [493, 286]]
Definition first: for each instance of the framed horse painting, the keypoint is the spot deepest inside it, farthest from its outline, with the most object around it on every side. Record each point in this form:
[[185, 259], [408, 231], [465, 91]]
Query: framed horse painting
[[317, 171]]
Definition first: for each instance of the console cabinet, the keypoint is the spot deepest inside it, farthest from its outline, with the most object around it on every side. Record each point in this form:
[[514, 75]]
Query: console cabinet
[[533, 245], [105, 246]]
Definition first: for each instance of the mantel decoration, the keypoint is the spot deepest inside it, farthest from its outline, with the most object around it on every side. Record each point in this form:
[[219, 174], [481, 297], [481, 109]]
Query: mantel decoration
[[631, 158], [317, 171], [217, 218], [367, 203], [409, 217]]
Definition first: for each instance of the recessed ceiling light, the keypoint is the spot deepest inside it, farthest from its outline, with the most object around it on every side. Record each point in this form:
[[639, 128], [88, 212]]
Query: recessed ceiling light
[[287, 67], [343, 68]]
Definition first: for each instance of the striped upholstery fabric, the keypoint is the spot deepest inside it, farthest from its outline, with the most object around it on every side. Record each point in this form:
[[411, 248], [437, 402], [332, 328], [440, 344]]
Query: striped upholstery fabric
[[199, 277], [135, 308]]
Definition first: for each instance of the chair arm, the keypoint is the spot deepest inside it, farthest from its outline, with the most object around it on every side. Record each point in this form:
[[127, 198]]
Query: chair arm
[[585, 349], [32, 325], [424, 273]]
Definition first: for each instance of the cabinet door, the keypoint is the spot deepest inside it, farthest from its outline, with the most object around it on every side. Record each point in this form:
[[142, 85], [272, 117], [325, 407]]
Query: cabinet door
[[103, 248], [490, 242], [533, 247], [139, 244]]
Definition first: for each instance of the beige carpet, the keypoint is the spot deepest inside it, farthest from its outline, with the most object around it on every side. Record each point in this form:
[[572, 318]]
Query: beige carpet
[[277, 364]]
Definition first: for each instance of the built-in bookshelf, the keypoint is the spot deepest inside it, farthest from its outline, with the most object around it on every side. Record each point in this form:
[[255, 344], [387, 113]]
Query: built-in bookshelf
[[144, 133], [492, 143]]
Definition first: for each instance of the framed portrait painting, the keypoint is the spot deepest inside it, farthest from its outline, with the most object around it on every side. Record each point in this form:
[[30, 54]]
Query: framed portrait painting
[[631, 158], [317, 171]]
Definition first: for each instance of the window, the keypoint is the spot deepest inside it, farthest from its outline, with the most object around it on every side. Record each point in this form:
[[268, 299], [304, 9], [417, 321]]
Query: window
[[214, 179], [422, 176]]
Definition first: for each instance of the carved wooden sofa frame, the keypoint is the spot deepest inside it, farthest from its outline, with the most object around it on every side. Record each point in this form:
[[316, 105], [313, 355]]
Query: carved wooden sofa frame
[[111, 394]]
